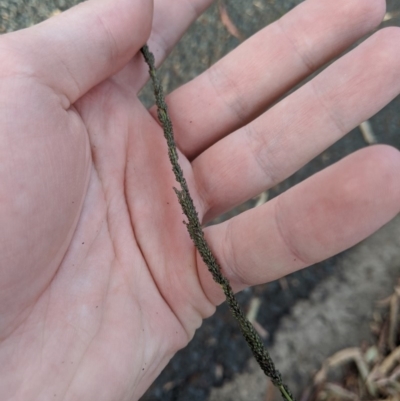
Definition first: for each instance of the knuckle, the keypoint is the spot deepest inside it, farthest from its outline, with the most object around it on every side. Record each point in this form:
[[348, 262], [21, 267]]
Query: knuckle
[[262, 151], [228, 90], [389, 36], [386, 43], [386, 158], [384, 161], [372, 11], [111, 48], [233, 268], [15, 60]]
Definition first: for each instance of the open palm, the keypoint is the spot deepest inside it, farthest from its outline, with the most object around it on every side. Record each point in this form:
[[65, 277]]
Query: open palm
[[100, 284]]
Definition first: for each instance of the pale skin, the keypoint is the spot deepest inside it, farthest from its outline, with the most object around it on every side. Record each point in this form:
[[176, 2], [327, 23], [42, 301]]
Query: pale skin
[[99, 282]]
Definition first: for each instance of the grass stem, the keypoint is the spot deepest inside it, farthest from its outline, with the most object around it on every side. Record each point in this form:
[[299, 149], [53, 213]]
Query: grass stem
[[197, 235]]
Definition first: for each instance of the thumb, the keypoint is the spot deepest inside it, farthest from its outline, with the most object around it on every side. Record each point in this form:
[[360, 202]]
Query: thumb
[[74, 51]]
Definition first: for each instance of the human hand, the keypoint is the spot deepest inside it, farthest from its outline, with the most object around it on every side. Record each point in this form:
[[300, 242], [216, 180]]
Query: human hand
[[100, 283]]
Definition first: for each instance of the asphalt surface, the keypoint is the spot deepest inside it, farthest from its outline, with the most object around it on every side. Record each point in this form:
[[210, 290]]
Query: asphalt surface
[[217, 351]]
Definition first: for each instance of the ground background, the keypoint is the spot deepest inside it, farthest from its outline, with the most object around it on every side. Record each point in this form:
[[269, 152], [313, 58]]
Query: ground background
[[216, 363]]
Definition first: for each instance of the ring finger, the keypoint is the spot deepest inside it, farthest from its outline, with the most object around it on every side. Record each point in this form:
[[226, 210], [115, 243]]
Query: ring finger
[[323, 215]]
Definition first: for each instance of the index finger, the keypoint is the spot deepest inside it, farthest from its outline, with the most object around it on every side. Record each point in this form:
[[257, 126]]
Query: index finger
[[248, 80]]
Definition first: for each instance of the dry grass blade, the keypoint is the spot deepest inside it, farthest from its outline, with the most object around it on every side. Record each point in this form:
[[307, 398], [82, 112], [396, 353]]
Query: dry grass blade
[[391, 15], [383, 302], [388, 363], [377, 376], [393, 322], [368, 133], [254, 307], [396, 374], [262, 198], [227, 22], [340, 358], [341, 392], [252, 317]]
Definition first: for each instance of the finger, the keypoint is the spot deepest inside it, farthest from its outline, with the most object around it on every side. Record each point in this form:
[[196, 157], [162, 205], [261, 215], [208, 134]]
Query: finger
[[324, 215], [171, 19], [243, 84], [170, 22], [81, 47], [301, 126]]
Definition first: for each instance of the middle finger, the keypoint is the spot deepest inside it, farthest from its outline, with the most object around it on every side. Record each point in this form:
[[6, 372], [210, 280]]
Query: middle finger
[[301, 126]]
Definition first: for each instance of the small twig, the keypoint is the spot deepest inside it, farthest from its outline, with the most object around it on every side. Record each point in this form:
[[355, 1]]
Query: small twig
[[197, 235], [393, 321]]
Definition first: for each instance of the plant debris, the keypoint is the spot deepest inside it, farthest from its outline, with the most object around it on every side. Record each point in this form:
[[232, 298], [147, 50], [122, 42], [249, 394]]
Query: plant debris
[[391, 15], [368, 133], [365, 373], [227, 22]]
